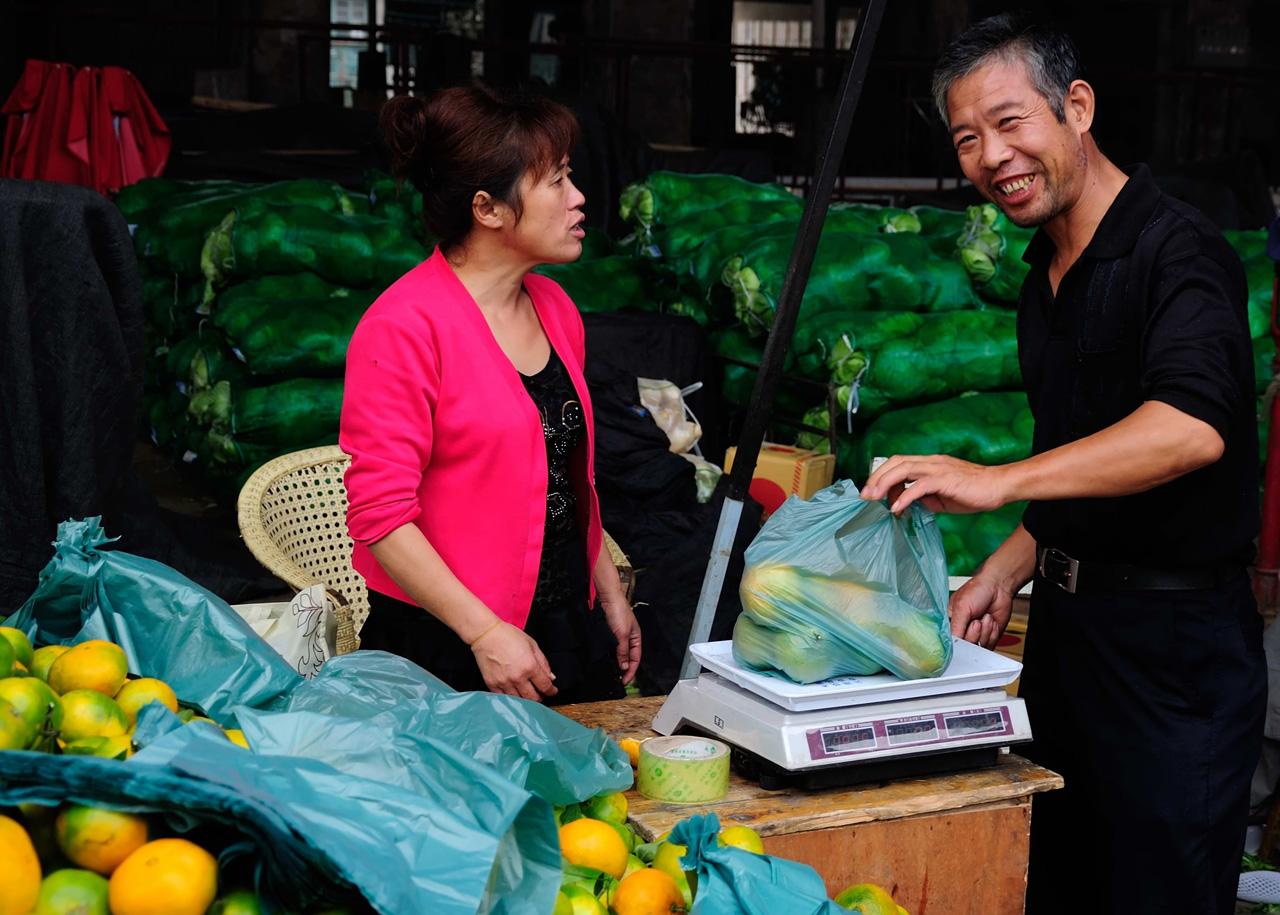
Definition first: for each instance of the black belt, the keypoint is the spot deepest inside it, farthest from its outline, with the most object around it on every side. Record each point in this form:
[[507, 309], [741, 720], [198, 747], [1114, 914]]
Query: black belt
[[1074, 575]]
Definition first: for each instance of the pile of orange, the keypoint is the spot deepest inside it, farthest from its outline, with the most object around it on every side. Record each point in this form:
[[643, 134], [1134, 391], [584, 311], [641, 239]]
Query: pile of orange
[[76, 699]]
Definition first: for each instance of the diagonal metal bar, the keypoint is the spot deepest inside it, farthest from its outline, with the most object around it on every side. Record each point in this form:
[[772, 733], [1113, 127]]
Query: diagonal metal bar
[[784, 324]]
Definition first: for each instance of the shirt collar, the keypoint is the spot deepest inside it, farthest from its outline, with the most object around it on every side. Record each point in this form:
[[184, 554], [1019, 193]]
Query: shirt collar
[[1120, 227]]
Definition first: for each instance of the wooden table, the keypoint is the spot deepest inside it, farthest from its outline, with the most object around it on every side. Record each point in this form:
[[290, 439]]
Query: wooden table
[[946, 845]]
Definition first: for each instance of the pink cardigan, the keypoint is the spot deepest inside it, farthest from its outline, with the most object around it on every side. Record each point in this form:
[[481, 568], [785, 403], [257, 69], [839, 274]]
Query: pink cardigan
[[442, 433]]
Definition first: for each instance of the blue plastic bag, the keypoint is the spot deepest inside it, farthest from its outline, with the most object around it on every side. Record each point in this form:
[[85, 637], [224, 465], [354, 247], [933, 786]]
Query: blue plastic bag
[[168, 626], [835, 585], [733, 881]]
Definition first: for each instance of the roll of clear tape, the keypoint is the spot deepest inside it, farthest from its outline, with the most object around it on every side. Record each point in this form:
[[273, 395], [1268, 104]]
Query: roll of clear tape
[[683, 770]]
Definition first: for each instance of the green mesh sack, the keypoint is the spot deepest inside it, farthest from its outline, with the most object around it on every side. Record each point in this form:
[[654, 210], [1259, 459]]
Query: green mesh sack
[[144, 199], [680, 240], [1260, 273], [289, 414], [969, 539], [291, 325], [201, 360], [834, 346], [172, 304], [1264, 354], [1248, 243], [346, 250], [947, 355], [602, 285], [665, 198], [990, 428], [991, 249]]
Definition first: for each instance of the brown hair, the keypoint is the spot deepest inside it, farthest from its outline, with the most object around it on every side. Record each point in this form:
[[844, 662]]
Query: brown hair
[[473, 138]]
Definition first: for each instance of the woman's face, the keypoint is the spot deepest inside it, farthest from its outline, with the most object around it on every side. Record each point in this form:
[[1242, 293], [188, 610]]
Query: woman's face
[[550, 228]]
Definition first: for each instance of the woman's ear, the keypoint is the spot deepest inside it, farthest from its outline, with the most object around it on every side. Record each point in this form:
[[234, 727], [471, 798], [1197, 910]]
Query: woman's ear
[[488, 212]]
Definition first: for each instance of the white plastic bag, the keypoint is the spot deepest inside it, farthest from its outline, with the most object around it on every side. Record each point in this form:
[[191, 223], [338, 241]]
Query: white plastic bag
[[304, 630]]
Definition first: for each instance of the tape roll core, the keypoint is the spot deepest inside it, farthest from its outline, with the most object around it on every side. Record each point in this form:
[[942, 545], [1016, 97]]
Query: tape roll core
[[683, 770]]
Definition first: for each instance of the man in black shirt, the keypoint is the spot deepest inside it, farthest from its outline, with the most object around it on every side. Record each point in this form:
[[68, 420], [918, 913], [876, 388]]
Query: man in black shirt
[[1144, 675]]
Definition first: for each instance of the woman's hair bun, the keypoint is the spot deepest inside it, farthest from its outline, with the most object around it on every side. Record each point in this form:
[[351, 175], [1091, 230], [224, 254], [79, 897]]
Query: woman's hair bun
[[403, 122]]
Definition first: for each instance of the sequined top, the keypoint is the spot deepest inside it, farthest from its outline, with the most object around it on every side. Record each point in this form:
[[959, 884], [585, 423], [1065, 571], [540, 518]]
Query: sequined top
[[564, 427]]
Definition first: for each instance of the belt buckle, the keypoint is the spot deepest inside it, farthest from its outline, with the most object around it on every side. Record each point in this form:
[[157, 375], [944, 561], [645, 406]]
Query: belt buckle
[[1060, 569]]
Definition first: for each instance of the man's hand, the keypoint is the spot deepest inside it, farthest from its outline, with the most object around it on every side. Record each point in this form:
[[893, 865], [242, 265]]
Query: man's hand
[[939, 483], [980, 611], [512, 663], [622, 623]]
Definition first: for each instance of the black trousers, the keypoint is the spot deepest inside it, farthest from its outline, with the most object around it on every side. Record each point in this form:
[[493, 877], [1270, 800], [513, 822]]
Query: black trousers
[[1150, 705], [577, 643]]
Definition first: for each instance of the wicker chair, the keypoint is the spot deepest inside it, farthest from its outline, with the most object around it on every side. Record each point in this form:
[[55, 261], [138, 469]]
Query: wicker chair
[[293, 517]]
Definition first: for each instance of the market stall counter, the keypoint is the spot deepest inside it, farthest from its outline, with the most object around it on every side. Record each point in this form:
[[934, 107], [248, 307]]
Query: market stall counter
[[916, 837]]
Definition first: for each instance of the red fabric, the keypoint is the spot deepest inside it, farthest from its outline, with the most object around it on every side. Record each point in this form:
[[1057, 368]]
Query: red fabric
[[93, 126]]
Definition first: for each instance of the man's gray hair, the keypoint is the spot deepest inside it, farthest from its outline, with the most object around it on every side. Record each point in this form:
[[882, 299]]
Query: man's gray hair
[[1050, 56]]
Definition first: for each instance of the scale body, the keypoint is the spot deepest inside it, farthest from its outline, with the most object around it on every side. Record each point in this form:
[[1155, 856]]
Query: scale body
[[851, 730]]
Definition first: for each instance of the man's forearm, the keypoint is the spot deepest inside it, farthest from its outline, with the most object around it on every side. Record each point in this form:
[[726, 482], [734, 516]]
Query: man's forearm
[[1151, 446], [1013, 564]]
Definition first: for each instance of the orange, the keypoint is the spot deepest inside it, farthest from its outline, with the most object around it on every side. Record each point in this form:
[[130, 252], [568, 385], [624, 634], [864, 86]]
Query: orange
[[632, 748], [612, 808], [648, 892], [96, 665], [581, 901], [165, 877], [16, 733], [97, 838], [743, 837], [72, 892], [7, 659], [20, 670], [43, 659], [35, 703], [137, 693], [88, 713], [591, 843], [19, 642], [102, 747], [236, 736], [667, 860], [21, 884], [867, 899], [241, 902]]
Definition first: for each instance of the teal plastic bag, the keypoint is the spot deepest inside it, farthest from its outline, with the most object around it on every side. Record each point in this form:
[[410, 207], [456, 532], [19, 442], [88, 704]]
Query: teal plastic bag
[[406, 715], [835, 585], [168, 626], [318, 830], [732, 881]]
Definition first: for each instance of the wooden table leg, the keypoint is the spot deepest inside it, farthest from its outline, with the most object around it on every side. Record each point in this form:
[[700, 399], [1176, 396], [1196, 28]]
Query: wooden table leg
[[970, 861]]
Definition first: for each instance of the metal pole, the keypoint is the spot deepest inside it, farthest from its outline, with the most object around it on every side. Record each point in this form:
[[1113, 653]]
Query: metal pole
[[784, 324]]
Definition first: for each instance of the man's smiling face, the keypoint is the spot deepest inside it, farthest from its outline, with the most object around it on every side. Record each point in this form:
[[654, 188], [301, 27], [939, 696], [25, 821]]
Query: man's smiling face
[[1012, 146]]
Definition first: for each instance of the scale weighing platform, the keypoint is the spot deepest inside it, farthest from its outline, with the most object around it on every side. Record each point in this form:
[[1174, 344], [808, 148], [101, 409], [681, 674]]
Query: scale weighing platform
[[851, 730]]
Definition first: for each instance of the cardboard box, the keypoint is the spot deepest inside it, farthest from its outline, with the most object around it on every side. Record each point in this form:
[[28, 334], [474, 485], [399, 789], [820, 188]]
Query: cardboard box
[[782, 471]]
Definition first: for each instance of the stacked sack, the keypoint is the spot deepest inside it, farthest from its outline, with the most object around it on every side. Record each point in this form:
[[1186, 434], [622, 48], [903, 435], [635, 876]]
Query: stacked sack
[[252, 292]]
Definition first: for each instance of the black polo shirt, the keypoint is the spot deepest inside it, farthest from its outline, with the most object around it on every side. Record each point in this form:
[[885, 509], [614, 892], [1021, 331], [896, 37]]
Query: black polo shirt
[[1154, 309]]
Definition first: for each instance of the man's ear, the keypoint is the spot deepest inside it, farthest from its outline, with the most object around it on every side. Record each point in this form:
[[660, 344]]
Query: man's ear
[[488, 212], [1078, 107]]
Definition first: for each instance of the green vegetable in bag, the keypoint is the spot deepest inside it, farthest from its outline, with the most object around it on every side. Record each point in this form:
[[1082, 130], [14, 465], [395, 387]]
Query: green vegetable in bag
[[294, 412], [603, 285], [970, 539], [665, 198], [838, 569], [992, 428], [291, 325], [991, 249]]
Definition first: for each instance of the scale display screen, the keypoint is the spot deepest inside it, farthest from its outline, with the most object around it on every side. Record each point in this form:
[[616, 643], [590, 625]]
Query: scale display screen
[[960, 727]]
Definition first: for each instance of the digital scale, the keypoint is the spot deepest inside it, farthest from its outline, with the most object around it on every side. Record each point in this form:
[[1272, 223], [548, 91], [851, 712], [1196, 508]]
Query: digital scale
[[850, 730]]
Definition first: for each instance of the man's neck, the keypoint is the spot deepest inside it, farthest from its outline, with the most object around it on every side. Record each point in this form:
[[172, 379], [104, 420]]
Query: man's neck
[[1073, 229]]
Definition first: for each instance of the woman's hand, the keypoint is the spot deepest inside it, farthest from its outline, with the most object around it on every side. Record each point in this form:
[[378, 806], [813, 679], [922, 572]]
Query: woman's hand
[[623, 625], [512, 663]]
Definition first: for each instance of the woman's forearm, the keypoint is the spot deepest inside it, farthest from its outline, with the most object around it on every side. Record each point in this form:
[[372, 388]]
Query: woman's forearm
[[605, 575], [413, 564]]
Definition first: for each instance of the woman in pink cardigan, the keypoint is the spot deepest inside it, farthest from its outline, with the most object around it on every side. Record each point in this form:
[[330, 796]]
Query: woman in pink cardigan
[[472, 489]]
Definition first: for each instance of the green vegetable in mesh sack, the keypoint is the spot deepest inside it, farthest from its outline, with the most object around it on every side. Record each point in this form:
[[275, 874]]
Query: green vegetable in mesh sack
[[819, 441], [991, 249], [176, 238], [665, 198], [839, 570], [679, 240], [201, 360], [291, 325], [970, 539], [606, 284], [991, 428], [834, 346], [596, 244], [947, 355], [1260, 273], [1264, 354], [142, 199], [293, 412], [937, 221], [931, 283], [740, 356], [1248, 243], [893, 221], [172, 304], [346, 250]]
